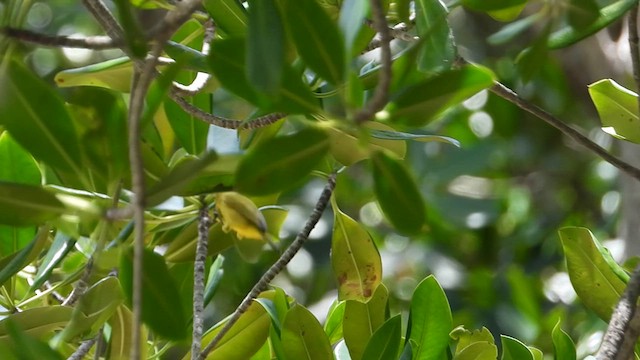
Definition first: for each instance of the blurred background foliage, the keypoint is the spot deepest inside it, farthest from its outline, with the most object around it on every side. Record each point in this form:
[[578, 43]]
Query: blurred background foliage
[[494, 205]]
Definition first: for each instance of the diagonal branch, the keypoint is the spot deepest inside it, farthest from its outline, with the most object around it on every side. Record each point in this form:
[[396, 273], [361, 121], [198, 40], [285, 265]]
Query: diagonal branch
[[91, 42], [509, 95], [275, 269]]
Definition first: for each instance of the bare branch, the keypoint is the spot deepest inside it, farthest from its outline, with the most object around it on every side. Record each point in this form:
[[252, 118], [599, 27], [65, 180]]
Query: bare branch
[[280, 264], [199, 279], [381, 93], [83, 349], [225, 122], [509, 95], [81, 286], [106, 19], [91, 42]]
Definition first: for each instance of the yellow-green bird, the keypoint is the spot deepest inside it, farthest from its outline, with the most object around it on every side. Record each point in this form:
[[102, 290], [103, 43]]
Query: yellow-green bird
[[240, 215]]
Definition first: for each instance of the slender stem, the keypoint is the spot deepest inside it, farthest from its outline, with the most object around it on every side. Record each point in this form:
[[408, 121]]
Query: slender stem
[[277, 267], [83, 349], [199, 279], [90, 42], [381, 93], [509, 95], [81, 286]]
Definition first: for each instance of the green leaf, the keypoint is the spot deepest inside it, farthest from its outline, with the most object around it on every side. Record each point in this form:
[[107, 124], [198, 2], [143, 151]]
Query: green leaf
[[563, 346], [491, 5], [397, 194], [216, 177], [582, 13], [228, 15], [355, 259], [618, 109], [596, 278], [333, 325], [39, 322], [265, 52], [94, 308], [361, 320], [569, 35], [244, 338], [112, 74], [191, 132], [213, 280], [303, 337], [22, 205], [349, 147], [44, 127], [385, 342], [159, 295], [537, 353], [26, 347], [351, 21], [531, 60], [430, 320], [438, 51], [511, 30], [178, 178], [316, 37], [417, 104], [58, 250], [183, 247], [474, 345], [120, 343], [514, 349], [11, 264], [280, 163]]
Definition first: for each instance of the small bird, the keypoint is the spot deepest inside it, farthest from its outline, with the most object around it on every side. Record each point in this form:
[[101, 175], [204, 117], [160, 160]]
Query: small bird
[[240, 215]]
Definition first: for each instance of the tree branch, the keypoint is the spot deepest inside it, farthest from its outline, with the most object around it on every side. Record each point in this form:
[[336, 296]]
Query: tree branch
[[381, 93], [99, 42], [280, 264], [107, 21], [509, 95], [199, 279]]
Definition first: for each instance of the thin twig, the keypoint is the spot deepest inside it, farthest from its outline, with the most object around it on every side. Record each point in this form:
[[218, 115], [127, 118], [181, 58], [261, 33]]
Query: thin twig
[[199, 279], [280, 264], [509, 95], [107, 21], [202, 78], [81, 286], [99, 42], [381, 93], [223, 122], [83, 349]]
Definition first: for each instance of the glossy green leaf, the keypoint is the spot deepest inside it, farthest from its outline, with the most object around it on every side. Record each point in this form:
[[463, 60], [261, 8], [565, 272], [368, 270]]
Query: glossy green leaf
[[508, 14], [596, 278], [582, 13], [355, 259], [213, 279], [396, 135], [569, 35], [514, 349], [351, 21], [618, 109], [417, 104], [537, 353], [121, 338], [303, 337], [244, 338], [438, 51], [333, 324], [398, 194], [430, 320], [491, 5], [227, 60], [316, 37], [281, 162], [10, 265], [183, 247], [216, 177], [115, 74], [385, 342], [229, 15], [361, 320], [60, 247], [349, 147], [265, 46], [474, 345], [181, 174], [191, 132], [159, 295], [563, 346], [44, 127], [18, 166], [531, 60], [94, 308], [513, 29], [26, 347], [39, 322]]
